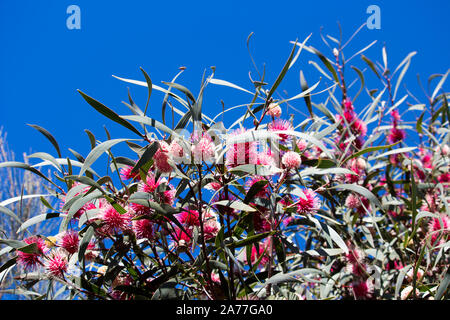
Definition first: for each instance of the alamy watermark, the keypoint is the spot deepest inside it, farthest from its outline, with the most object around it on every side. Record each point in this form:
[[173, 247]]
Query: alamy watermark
[[374, 20], [74, 19]]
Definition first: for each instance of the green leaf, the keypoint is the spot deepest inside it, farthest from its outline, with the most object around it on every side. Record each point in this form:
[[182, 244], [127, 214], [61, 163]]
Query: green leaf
[[362, 191], [326, 62], [109, 113], [400, 77], [149, 86], [98, 151], [331, 233], [282, 73], [367, 150], [361, 77], [370, 64], [146, 156], [304, 86], [182, 89], [442, 287], [85, 242], [48, 136], [166, 98], [39, 218], [151, 122], [9, 212], [439, 85], [254, 189], [48, 157], [235, 205], [14, 164]]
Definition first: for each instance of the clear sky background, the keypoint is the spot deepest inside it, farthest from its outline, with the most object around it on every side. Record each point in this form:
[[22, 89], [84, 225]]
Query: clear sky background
[[42, 62]]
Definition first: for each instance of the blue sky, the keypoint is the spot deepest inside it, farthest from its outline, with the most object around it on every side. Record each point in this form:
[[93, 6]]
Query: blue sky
[[42, 62]]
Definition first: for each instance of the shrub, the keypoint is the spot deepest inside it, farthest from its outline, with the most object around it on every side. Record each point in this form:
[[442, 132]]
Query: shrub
[[333, 205]]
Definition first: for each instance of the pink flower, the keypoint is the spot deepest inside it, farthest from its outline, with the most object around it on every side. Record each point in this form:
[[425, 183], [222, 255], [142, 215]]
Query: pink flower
[[445, 177], [274, 110], [281, 125], [189, 217], [362, 289], [394, 265], [445, 150], [291, 160], [150, 185], [407, 292], [439, 229], [359, 127], [308, 204], [121, 280], [70, 241], [181, 238], [357, 269], [348, 104], [140, 209], [168, 196], [126, 174], [114, 222], [57, 264], [91, 252], [144, 229], [395, 115], [396, 135], [203, 150], [355, 255], [176, 150], [266, 158], [30, 260], [161, 158], [302, 144], [352, 201], [358, 164]]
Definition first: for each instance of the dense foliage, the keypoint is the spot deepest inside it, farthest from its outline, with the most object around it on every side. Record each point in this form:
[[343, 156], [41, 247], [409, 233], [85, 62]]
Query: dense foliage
[[349, 202]]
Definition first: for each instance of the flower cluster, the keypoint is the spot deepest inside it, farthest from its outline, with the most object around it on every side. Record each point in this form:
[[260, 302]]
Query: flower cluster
[[343, 201]]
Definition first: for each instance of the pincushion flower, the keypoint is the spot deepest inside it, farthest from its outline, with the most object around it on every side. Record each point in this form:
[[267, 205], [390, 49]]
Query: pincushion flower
[[439, 228], [266, 158], [57, 264], [280, 125], [291, 160], [176, 151], [143, 229], [69, 241], [113, 221], [274, 110], [309, 203], [127, 174], [30, 260], [203, 149], [352, 201], [162, 159], [362, 289], [396, 135]]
